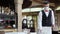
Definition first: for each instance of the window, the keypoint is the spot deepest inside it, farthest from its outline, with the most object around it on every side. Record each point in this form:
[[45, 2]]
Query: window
[[8, 16]]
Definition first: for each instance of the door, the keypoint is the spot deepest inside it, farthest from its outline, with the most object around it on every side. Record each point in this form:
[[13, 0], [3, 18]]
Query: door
[[31, 23]]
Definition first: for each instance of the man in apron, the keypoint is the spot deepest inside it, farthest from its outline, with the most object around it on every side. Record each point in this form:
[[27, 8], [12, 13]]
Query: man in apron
[[46, 19]]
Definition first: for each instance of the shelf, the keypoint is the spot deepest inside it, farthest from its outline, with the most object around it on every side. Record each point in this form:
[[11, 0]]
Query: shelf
[[4, 15], [7, 17], [9, 30]]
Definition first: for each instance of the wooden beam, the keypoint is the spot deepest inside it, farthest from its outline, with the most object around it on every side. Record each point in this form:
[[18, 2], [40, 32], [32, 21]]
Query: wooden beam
[[38, 1], [52, 4], [18, 9]]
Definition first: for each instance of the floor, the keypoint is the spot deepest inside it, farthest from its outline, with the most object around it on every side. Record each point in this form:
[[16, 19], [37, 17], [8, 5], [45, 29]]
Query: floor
[[55, 32]]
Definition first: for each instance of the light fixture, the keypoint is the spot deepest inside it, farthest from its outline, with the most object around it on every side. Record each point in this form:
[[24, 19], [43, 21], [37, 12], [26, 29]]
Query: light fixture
[[58, 8]]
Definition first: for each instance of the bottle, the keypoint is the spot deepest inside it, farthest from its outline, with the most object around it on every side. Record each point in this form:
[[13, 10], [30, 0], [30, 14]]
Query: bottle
[[12, 12], [0, 9], [14, 26]]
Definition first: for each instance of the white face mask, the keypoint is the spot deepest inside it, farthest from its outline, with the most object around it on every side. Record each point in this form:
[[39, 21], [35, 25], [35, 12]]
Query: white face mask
[[46, 8]]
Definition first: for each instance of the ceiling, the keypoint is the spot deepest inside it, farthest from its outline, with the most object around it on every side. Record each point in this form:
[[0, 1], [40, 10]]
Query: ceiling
[[54, 3], [26, 3]]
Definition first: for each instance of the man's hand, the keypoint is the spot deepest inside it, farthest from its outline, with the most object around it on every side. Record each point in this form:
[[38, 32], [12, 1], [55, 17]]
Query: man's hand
[[53, 25]]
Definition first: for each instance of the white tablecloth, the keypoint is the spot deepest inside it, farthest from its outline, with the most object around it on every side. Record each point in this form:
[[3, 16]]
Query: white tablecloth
[[45, 30], [33, 33], [19, 33], [16, 33]]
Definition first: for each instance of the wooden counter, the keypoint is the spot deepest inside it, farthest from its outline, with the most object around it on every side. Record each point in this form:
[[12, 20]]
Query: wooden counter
[[9, 30]]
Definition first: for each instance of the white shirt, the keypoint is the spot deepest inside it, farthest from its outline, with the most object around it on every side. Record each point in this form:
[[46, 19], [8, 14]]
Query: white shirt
[[40, 19]]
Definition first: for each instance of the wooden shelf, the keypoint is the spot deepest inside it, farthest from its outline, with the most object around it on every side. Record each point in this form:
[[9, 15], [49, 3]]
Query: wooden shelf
[[9, 30]]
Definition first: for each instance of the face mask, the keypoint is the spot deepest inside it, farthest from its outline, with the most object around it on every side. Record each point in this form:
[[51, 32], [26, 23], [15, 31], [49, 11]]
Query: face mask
[[46, 8]]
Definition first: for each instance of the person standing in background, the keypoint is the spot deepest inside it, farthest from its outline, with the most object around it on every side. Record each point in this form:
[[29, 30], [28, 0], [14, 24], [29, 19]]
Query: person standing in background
[[46, 19]]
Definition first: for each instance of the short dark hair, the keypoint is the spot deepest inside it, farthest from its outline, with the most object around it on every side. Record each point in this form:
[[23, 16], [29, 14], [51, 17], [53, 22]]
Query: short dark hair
[[45, 2]]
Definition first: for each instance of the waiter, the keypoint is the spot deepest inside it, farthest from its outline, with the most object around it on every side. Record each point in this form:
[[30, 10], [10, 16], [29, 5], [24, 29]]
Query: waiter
[[46, 19]]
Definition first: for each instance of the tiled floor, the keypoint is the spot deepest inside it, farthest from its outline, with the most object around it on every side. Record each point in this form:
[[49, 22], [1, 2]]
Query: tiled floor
[[54, 32]]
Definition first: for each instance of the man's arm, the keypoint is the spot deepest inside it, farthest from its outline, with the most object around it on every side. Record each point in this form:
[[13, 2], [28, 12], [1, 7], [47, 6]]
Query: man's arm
[[53, 19], [40, 21]]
